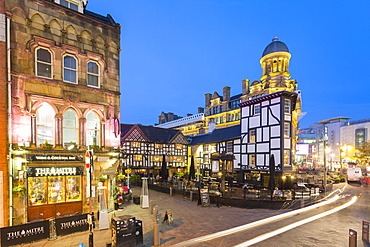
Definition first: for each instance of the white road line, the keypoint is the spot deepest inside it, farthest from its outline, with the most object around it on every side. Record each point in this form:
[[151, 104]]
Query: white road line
[[296, 224], [253, 224]]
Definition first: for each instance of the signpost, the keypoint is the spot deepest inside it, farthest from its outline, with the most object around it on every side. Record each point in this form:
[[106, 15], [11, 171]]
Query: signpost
[[365, 231], [89, 164]]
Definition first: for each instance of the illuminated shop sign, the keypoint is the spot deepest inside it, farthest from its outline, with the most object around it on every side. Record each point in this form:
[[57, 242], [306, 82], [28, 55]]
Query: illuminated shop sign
[[47, 157], [54, 171]]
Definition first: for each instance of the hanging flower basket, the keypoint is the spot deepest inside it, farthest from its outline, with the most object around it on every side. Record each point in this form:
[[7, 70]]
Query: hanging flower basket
[[121, 177]]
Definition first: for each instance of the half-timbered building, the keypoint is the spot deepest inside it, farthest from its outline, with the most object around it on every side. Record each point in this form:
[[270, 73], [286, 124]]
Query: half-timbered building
[[266, 130], [144, 148]]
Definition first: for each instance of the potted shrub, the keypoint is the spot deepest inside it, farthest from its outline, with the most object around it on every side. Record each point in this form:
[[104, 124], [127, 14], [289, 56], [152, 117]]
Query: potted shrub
[[20, 190]]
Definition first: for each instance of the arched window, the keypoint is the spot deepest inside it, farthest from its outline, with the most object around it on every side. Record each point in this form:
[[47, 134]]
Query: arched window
[[93, 74], [70, 69], [45, 125], [43, 63], [70, 127], [92, 129]]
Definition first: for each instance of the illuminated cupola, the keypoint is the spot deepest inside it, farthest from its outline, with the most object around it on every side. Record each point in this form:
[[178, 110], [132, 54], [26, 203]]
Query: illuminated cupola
[[77, 5], [275, 68]]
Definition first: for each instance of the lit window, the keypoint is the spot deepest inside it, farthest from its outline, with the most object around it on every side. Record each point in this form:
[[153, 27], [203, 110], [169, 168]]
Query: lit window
[[70, 69], [252, 136], [157, 145], [286, 157], [286, 129], [179, 146], [135, 144], [93, 74], [287, 106], [92, 129], [43, 63], [252, 160], [45, 125], [70, 127], [69, 5], [138, 157], [257, 109]]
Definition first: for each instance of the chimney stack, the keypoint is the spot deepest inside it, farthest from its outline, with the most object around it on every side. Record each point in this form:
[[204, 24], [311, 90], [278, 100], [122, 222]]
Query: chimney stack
[[245, 86], [208, 99], [226, 93]]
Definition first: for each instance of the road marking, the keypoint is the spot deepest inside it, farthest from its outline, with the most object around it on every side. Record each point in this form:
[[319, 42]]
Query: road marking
[[254, 224], [296, 224]]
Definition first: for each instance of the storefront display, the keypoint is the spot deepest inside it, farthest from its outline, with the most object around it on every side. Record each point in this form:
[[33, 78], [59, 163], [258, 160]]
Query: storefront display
[[52, 186]]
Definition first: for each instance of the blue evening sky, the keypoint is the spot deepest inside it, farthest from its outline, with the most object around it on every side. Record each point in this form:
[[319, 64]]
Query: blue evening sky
[[175, 51]]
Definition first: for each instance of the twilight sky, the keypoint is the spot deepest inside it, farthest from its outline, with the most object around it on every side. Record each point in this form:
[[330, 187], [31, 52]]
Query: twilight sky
[[175, 51]]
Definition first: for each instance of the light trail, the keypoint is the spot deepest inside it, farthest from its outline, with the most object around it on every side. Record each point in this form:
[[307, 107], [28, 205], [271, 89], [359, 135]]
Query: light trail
[[296, 224], [253, 224]]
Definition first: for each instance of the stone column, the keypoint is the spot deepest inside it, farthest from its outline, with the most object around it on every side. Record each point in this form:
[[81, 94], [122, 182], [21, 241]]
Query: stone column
[[82, 128]]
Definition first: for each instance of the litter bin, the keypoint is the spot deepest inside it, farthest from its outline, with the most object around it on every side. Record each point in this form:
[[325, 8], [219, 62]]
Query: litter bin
[[139, 231], [136, 200], [123, 231]]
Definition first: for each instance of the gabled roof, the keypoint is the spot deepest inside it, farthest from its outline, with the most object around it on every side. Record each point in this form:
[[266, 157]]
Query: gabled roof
[[218, 135], [287, 94], [153, 134]]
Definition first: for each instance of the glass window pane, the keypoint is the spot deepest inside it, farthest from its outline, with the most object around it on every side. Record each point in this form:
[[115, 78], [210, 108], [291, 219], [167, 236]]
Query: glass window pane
[[56, 189], [92, 129], [43, 55], [93, 68], [70, 127], [92, 80], [45, 125], [37, 190], [69, 75], [43, 70], [74, 6], [70, 62], [64, 3], [73, 188]]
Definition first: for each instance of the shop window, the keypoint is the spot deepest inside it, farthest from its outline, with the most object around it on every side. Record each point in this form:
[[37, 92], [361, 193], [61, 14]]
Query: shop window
[[92, 129], [70, 127], [93, 74], [70, 69], [73, 188], [43, 63], [56, 189], [45, 125], [37, 191]]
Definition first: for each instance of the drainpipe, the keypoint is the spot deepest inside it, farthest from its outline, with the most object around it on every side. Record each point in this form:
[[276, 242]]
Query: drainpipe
[[10, 130]]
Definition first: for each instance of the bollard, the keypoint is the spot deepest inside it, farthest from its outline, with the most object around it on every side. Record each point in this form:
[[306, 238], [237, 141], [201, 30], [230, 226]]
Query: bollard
[[170, 191], [157, 218], [365, 231], [156, 235], [352, 238], [151, 207], [191, 195]]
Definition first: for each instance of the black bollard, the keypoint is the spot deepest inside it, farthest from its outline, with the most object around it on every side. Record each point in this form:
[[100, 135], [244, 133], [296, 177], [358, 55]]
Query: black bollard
[[91, 239]]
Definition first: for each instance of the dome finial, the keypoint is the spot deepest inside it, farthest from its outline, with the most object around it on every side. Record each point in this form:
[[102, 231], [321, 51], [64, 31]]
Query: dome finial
[[275, 39]]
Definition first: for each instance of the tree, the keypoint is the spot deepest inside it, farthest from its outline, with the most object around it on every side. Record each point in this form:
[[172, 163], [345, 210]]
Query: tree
[[364, 151]]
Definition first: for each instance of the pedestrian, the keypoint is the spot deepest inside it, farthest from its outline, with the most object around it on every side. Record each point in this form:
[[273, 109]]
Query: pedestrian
[[245, 189], [276, 193]]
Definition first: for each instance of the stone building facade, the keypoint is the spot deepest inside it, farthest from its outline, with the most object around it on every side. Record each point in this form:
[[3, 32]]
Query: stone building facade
[[64, 99]]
